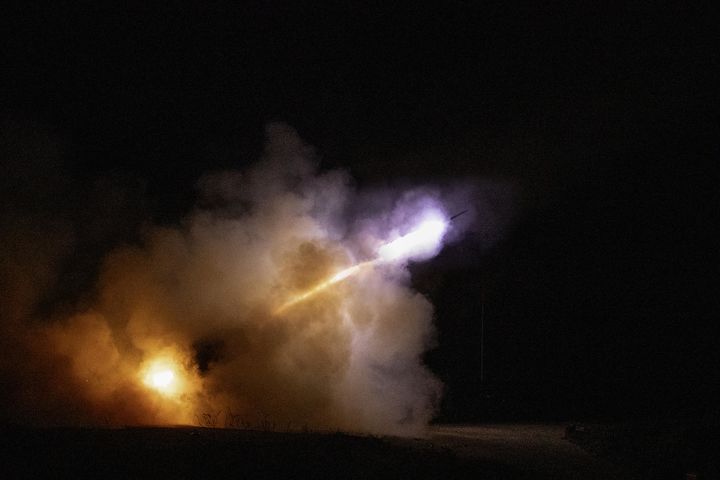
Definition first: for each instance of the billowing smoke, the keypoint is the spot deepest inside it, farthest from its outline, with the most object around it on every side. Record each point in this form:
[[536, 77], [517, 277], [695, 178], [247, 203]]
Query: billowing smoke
[[194, 324]]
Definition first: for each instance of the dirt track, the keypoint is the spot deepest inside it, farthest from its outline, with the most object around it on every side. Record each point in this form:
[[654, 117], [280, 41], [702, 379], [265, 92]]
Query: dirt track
[[501, 452], [539, 449]]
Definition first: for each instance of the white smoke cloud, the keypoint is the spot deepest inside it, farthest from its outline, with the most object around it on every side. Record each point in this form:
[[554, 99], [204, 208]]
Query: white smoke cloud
[[198, 304]]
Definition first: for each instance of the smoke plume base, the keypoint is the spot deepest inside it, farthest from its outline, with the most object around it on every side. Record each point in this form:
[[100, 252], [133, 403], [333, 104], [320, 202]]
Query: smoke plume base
[[186, 324]]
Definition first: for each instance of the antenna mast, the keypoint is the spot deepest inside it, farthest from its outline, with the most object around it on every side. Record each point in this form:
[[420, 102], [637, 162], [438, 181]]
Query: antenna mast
[[482, 336]]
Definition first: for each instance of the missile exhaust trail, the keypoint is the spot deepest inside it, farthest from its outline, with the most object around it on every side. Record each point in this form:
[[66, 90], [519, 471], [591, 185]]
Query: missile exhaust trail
[[338, 277], [425, 238]]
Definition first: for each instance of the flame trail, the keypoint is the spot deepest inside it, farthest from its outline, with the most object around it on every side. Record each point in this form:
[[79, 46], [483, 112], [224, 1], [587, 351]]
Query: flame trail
[[425, 238], [422, 240], [338, 277]]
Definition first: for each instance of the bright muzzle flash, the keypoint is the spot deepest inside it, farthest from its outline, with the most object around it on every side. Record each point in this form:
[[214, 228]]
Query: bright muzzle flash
[[162, 379], [422, 242], [161, 376]]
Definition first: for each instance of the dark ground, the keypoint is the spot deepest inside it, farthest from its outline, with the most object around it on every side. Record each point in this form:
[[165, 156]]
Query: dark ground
[[187, 452], [654, 450], [491, 451], [538, 450]]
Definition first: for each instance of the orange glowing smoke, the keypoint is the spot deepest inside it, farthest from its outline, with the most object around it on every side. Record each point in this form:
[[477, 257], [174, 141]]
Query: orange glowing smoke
[[162, 375]]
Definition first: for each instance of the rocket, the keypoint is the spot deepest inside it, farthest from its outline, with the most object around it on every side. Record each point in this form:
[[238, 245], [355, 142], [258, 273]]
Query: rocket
[[457, 215]]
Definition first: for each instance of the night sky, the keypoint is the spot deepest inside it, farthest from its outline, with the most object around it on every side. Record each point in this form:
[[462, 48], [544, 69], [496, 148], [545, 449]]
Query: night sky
[[600, 296]]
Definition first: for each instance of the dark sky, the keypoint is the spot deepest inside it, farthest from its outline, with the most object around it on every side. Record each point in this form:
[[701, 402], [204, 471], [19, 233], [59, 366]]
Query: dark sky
[[600, 299]]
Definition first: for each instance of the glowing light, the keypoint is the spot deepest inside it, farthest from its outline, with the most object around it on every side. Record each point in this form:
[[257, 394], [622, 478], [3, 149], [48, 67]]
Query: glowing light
[[163, 379], [423, 241], [161, 376]]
